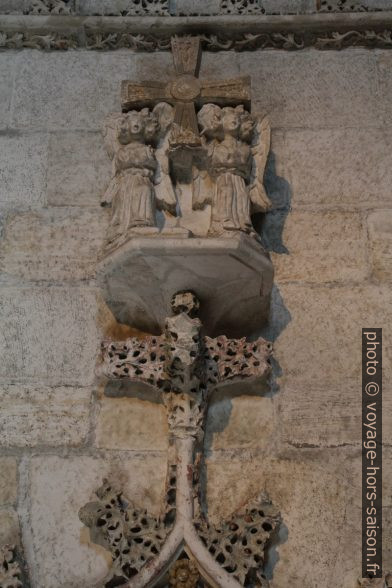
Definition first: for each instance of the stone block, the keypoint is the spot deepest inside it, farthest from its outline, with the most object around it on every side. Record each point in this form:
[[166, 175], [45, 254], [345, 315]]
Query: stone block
[[59, 552], [11, 6], [78, 169], [337, 168], [7, 65], [8, 478], [314, 88], [9, 527], [48, 335], [241, 422], [322, 247], [312, 491], [52, 244], [76, 90], [23, 174], [319, 343], [380, 237], [131, 423], [32, 416]]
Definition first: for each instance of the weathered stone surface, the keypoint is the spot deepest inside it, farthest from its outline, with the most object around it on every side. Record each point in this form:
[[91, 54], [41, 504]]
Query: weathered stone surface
[[125, 423], [59, 546], [52, 244], [9, 527], [48, 335], [78, 169], [77, 90], [190, 7], [241, 422], [121, 7], [32, 416], [23, 173], [337, 88], [320, 345], [338, 167], [7, 63], [313, 416], [299, 486], [8, 478], [322, 247], [380, 236], [289, 6]]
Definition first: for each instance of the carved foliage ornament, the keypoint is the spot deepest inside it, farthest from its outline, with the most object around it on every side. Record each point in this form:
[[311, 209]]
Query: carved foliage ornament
[[185, 367], [10, 572]]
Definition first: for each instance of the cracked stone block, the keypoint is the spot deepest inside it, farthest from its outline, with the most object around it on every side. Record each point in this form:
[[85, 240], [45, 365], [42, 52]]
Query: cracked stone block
[[52, 244], [33, 416], [9, 527], [336, 167], [59, 552], [78, 169], [314, 88], [48, 335], [322, 247], [23, 173], [131, 422], [380, 235], [8, 478]]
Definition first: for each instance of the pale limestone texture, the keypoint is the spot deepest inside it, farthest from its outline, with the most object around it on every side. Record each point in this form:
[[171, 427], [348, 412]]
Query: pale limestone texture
[[335, 248], [33, 244], [380, 235], [48, 334], [131, 422], [8, 480], [78, 169], [6, 86], [23, 185], [53, 521], [35, 416], [9, 527]]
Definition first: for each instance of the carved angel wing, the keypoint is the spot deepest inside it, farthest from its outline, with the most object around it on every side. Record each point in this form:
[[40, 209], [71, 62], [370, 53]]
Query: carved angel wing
[[164, 190], [202, 183], [260, 149], [112, 144], [110, 132]]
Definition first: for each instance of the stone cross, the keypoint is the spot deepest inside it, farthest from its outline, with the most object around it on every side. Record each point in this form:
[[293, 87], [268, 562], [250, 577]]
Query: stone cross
[[185, 366], [186, 93]]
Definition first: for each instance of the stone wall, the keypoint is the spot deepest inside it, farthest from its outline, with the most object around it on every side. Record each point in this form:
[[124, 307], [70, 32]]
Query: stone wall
[[330, 179]]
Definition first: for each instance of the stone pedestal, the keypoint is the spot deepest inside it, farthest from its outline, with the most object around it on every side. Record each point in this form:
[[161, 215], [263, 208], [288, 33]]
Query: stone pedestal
[[231, 277]]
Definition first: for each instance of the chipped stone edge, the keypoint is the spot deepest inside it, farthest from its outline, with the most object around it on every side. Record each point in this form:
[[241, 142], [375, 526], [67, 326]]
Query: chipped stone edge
[[239, 33]]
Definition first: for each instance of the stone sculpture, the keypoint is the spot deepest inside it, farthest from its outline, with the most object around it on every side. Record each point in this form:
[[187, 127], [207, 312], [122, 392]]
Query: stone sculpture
[[140, 178], [184, 574], [10, 572], [235, 155], [185, 366]]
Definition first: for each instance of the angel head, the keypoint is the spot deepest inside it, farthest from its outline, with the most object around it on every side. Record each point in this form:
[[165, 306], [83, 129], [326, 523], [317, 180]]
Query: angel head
[[247, 126], [165, 115], [137, 126], [236, 121], [210, 121]]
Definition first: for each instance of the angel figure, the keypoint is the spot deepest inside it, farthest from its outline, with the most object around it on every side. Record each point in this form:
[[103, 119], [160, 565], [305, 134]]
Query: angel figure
[[236, 150], [140, 180]]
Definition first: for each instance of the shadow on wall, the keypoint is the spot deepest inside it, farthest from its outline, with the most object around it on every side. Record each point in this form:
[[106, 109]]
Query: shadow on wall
[[270, 226]]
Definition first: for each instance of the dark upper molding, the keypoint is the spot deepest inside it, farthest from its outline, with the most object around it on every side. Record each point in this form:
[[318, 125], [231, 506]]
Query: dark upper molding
[[148, 33]]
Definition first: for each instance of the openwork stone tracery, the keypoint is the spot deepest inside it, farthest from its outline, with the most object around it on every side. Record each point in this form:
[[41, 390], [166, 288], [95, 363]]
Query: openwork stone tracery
[[178, 147]]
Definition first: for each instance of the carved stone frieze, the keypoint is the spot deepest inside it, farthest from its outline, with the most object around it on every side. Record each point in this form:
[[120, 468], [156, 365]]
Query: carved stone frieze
[[10, 571], [384, 582]]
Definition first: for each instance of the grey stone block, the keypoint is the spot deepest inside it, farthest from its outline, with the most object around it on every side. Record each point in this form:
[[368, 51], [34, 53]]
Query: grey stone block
[[23, 170], [48, 335]]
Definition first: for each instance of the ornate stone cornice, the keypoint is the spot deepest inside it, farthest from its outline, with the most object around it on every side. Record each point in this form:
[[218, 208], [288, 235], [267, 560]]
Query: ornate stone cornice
[[218, 33]]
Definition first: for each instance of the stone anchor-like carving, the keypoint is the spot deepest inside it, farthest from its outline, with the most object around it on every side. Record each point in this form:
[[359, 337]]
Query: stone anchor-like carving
[[186, 367]]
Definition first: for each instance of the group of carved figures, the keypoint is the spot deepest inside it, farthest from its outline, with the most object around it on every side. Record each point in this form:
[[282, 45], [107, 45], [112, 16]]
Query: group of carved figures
[[227, 169]]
